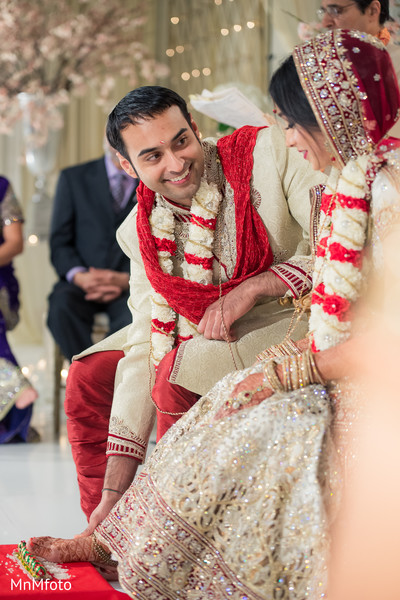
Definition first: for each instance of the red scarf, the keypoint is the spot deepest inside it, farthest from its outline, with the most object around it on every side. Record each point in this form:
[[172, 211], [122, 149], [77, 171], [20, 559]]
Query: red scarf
[[254, 254]]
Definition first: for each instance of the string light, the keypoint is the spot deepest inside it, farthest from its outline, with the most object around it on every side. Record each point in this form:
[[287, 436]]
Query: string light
[[206, 71], [33, 240]]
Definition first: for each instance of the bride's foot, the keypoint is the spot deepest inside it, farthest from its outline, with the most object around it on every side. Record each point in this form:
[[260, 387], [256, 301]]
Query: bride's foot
[[26, 397], [63, 551], [107, 571]]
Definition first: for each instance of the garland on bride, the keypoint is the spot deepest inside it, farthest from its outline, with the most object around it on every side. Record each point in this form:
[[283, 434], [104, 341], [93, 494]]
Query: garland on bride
[[338, 274]]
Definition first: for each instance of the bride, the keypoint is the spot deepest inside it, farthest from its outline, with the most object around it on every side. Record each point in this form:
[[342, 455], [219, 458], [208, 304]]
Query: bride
[[237, 499]]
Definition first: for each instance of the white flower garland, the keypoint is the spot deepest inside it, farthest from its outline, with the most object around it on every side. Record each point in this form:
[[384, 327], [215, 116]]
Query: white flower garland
[[205, 206], [342, 279]]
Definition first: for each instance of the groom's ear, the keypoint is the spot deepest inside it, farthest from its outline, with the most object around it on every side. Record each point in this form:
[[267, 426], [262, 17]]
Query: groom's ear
[[127, 166]]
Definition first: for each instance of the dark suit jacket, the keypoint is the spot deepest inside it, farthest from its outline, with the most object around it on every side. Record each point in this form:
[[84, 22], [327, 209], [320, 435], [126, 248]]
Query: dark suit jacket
[[84, 224]]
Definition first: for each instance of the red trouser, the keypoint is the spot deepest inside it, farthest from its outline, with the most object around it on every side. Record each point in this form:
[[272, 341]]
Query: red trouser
[[88, 400], [170, 397]]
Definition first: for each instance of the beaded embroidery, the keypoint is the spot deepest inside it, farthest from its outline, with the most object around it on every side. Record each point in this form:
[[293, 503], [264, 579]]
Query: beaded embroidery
[[335, 92]]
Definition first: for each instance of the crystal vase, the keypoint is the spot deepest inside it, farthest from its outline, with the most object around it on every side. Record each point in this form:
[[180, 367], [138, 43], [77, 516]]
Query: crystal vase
[[41, 124]]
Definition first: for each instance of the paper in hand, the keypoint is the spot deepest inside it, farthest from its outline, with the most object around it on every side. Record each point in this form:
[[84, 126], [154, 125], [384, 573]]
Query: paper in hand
[[228, 106]]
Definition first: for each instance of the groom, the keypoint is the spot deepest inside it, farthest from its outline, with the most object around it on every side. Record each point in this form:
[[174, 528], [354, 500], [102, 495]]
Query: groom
[[220, 232]]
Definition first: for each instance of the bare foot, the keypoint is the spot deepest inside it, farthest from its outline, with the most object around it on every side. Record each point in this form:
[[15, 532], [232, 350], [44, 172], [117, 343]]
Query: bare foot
[[109, 573], [26, 397], [63, 551]]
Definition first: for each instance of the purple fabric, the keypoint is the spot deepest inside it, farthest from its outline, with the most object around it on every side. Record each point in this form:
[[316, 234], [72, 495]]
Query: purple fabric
[[14, 427], [130, 183]]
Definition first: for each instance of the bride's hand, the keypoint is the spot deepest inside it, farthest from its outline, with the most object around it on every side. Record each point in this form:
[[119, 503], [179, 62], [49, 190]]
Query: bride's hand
[[303, 344], [250, 383]]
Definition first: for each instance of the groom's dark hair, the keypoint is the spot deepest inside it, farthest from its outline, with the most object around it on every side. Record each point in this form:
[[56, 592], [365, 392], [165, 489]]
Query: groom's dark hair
[[143, 103]]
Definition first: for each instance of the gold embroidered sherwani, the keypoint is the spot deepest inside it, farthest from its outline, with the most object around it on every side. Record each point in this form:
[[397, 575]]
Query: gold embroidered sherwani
[[280, 190]]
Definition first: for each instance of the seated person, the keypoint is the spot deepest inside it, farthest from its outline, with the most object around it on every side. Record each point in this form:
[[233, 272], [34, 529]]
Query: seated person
[[16, 393], [91, 201], [220, 229], [236, 500]]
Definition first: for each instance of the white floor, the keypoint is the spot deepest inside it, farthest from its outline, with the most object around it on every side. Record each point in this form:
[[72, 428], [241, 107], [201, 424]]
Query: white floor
[[38, 489], [39, 493]]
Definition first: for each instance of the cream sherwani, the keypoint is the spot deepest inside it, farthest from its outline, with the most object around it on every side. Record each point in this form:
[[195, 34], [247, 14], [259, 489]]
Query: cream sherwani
[[280, 192]]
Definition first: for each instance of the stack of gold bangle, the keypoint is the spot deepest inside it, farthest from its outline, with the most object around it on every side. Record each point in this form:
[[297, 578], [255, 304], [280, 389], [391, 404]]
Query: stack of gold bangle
[[272, 377], [298, 371], [286, 348]]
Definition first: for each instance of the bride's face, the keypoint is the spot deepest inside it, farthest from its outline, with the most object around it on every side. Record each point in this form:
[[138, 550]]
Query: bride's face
[[311, 145]]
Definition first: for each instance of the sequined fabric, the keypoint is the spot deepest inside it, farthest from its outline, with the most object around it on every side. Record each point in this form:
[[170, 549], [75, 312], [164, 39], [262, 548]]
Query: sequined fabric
[[12, 382], [354, 106], [231, 508]]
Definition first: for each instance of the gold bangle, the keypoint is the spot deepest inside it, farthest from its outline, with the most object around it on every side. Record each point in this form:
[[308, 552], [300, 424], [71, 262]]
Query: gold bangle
[[290, 347], [307, 369], [103, 556], [272, 377], [296, 359], [314, 369], [307, 366], [294, 370], [286, 375], [285, 348]]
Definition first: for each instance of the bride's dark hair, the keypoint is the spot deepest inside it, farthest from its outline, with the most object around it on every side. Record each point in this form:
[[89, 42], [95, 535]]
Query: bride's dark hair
[[288, 95]]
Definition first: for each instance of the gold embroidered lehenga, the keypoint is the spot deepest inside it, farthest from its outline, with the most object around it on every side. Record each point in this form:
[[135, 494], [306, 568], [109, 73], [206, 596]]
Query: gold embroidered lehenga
[[228, 508]]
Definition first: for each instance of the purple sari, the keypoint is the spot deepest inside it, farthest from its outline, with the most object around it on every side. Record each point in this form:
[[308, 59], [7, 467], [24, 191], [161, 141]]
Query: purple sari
[[15, 424]]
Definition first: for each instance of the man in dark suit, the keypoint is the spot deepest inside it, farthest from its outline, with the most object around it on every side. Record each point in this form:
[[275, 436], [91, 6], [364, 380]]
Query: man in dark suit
[[91, 201]]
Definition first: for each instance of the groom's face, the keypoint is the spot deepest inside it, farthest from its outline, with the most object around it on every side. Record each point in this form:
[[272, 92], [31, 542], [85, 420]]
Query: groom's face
[[166, 154]]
